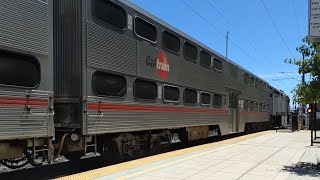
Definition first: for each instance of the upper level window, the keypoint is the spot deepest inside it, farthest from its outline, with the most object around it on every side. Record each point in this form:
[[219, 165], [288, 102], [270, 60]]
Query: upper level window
[[170, 42], [145, 29], [246, 105], [190, 96], [171, 93], [251, 106], [105, 84], [256, 83], [246, 78], [256, 107], [217, 64], [109, 12], [205, 98], [19, 70], [217, 100], [145, 90], [251, 81], [205, 59], [190, 52]]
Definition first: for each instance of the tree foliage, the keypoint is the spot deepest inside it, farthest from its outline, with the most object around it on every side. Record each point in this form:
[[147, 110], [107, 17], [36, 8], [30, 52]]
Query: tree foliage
[[308, 92]]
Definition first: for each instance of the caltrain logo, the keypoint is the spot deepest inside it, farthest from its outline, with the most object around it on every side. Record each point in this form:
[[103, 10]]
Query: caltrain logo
[[161, 63]]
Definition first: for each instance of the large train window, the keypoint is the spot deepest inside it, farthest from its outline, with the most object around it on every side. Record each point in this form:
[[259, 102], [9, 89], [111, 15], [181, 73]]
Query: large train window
[[190, 96], [251, 81], [145, 29], [190, 52], [217, 64], [105, 84], [205, 99], [171, 93], [170, 42], [145, 90], [251, 106], [246, 78], [217, 101], [19, 70], [109, 12], [205, 59]]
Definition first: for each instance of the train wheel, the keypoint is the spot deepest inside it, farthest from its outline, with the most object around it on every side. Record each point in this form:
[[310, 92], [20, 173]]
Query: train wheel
[[15, 162]]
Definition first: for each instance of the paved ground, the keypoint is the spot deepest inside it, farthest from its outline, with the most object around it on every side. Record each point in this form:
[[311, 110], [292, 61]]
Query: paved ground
[[274, 155]]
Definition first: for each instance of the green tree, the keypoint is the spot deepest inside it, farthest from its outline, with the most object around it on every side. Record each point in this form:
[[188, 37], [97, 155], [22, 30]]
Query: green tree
[[308, 92]]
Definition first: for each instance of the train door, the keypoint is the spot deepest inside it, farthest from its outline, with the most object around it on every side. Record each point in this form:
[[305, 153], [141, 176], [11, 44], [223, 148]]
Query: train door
[[234, 112]]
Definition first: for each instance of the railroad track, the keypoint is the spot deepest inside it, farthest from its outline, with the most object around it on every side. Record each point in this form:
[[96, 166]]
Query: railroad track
[[61, 169]]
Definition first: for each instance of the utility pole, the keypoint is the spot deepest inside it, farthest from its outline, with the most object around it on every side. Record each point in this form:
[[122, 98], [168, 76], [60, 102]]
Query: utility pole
[[227, 41]]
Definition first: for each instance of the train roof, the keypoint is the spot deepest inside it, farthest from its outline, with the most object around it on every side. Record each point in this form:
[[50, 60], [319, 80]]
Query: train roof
[[161, 22]]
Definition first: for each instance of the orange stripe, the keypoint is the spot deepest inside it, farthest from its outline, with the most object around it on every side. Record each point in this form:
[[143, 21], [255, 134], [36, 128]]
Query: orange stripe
[[120, 107]]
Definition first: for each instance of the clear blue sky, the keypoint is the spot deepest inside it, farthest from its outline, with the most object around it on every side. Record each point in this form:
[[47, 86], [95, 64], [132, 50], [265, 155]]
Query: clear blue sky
[[255, 43]]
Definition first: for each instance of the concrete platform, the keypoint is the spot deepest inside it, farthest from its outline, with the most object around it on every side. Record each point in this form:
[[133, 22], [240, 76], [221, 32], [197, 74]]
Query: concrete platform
[[265, 155]]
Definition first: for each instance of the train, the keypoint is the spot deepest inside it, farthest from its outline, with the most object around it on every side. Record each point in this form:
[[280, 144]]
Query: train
[[105, 76]]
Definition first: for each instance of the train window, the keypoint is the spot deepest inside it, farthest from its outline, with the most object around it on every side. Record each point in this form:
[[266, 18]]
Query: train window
[[217, 64], [264, 109], [190, 52], [170, 42], [109, 12], [251, 81], [205, 98], [105, 84], [217, 100], [246, 78], [246, 105], [256, 107], [145, 29], [190, 96], [205, 59], [251, 106], [19, 70], [145, 90], [171, 93], [256, 83]]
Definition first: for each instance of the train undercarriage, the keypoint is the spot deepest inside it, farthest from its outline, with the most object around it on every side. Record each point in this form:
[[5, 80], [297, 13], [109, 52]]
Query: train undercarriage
[[111, 147]]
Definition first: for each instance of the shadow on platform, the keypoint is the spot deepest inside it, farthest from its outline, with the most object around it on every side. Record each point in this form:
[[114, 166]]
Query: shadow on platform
[[304, 169]]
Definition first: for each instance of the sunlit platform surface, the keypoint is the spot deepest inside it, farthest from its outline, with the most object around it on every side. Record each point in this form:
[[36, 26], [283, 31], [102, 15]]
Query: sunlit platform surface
[[265, 155]]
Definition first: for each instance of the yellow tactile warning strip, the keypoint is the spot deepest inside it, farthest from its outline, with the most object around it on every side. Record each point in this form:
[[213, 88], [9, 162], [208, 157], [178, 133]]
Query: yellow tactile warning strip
[[105, 171]]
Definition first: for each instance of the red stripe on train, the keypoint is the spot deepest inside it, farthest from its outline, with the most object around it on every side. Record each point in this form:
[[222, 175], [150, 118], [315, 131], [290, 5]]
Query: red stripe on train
[[120, 107], [20, 102], [257, 113]]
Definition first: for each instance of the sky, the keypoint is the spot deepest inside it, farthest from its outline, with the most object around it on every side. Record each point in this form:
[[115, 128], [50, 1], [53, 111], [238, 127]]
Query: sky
[[262, 33]]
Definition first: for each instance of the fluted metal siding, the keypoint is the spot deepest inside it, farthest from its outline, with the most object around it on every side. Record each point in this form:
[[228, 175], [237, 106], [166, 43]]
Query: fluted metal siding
[[110, 50], [17, 123], [254, 117], [24, 25], [127, 121], [67, 48]]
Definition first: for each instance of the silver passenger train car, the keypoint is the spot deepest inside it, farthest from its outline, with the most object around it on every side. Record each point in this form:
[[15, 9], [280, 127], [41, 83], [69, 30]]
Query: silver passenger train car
[[106, 76]]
